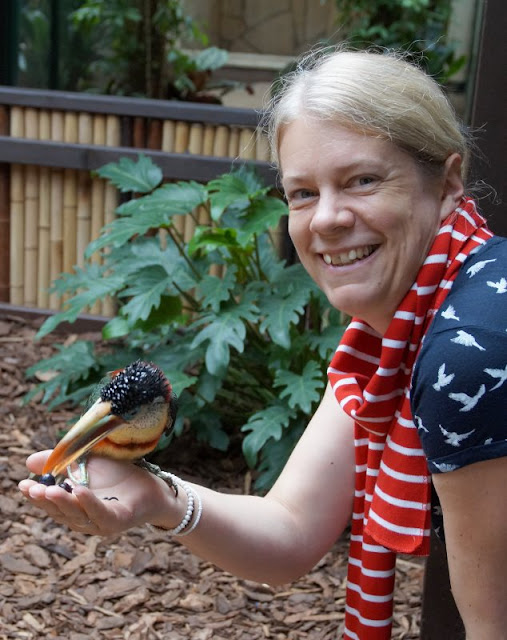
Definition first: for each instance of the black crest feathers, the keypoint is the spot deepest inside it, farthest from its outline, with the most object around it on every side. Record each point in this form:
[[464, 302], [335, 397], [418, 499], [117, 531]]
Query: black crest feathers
[[140, 383]]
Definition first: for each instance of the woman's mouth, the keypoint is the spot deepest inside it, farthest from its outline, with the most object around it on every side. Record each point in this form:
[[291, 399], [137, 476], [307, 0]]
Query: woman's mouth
[[349, 257]]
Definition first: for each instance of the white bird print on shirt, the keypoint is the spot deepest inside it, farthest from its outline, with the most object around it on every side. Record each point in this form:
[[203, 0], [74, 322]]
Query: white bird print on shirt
[[445, 466], [497, 373], [443, 380], [467, 401], [449, 313], [475, 268], [420, 425], [501, 286], [467, 340], [453, 438]]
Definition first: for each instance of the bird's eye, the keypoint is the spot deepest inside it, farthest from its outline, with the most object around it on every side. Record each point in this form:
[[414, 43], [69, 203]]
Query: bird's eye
[[129, 415]]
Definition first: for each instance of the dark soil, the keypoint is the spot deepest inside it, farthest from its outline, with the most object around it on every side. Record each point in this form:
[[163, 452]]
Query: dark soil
[[142, 585]]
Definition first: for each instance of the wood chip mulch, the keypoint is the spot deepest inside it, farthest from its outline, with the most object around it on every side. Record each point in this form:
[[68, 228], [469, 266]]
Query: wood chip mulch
[[62, 585]]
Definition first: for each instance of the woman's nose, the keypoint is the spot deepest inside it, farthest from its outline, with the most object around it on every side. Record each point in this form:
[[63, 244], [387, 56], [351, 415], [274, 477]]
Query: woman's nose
[[331, 214]]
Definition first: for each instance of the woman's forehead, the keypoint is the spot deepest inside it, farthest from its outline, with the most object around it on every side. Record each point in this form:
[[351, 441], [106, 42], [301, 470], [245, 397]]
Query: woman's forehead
[[301, 140]]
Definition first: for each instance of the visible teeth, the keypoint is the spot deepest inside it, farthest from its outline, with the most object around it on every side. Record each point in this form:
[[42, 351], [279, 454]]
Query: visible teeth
[[349, 256]]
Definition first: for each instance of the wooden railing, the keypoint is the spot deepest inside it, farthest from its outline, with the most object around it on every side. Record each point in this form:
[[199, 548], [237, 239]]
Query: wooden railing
[[50, 204]]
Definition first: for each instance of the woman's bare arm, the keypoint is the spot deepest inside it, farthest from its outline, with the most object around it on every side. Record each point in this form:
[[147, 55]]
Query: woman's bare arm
[[273, 539], [474, 506]]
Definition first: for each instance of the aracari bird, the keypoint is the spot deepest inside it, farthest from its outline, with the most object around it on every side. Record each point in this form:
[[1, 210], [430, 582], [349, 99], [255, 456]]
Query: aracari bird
[[134, 409]]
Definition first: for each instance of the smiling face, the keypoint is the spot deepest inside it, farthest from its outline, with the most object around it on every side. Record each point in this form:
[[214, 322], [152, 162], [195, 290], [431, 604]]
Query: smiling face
[[363, 214]]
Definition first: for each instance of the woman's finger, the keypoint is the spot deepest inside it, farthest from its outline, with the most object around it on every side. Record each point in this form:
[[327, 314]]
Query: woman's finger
[[35, 493], [36, 461]]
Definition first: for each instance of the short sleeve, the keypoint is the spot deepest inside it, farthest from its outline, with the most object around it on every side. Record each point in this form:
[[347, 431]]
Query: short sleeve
[[459, 386]]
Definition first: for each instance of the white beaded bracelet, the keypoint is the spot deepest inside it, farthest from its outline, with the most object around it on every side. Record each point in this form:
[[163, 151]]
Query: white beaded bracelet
[[189, 512], [192, 498], [197, 517]]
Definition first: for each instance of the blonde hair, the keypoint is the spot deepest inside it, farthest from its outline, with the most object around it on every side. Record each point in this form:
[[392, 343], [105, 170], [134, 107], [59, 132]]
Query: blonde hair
[[380, 94]]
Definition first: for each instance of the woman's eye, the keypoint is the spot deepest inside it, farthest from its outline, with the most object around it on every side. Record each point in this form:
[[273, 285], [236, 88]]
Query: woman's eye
[[300, 194], [364, 181]]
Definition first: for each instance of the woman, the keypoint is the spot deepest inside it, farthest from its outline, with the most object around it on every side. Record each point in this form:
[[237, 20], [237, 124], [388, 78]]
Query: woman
[[372, 161]]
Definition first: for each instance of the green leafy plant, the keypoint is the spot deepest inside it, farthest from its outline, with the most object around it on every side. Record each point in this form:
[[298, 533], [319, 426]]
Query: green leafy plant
[[416, 26], [244, 338], [138, 46]]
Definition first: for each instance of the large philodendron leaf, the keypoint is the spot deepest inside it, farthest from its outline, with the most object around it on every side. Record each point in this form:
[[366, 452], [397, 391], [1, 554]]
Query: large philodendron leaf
[[237, 188], [216, 290], [280, 312], [264, 425], [121, 230], [174, 198], [210, 238], [140, 177], [326, 342], [224, 331], [91, 286], [71, 363], [284, 302], [262, 215], [302, 390], [145, 292], [154, 211]]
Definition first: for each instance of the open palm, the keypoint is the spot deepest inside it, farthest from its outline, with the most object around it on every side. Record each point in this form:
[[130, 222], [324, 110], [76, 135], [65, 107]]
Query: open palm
[[120, 495]]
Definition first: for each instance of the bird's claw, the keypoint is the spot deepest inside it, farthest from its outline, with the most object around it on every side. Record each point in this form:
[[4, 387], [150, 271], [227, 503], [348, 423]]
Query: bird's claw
[[82, 478], [157, 471]]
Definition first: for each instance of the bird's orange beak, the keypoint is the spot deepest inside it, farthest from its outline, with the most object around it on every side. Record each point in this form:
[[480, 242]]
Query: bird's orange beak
[[92, 427]]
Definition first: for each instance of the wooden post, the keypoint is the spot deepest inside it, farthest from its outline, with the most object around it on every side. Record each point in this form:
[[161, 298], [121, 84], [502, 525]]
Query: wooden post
[[43, 249], [489, 115], [17, 206], [4, 215], [97, 197], [84, 186], [56, 213], [31, 215], [70, 198], [113, 136], [440, 619]]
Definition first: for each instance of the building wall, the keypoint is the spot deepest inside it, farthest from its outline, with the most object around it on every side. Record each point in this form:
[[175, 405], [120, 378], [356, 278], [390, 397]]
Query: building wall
[[281, 27], [272, 32]]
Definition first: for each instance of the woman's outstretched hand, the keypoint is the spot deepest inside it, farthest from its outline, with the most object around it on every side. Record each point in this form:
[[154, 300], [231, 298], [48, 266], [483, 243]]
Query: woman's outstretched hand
[[120, 495]]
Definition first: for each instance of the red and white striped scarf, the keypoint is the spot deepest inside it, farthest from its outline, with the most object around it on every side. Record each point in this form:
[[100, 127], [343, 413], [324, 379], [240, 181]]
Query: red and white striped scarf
[[370, 376]]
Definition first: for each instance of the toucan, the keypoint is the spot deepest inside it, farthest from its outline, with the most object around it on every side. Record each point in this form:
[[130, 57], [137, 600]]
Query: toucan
[[135, 407]]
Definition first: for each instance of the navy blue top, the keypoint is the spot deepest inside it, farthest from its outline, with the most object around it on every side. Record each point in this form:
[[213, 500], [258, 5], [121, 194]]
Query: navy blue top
[[459, 383]]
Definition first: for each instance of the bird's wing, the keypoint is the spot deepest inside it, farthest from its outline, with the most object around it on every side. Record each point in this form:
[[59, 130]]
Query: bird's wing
[[460, 397]]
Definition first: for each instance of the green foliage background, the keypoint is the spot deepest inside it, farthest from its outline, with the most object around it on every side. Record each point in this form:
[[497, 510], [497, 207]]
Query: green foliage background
[[418, 27], [121, 47], [246, 352]]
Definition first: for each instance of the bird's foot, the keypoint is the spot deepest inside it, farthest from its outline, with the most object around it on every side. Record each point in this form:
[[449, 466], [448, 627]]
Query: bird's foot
[[82, 478], [157, 471]]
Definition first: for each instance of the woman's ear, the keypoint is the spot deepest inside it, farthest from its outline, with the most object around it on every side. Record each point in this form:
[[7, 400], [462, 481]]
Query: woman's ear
[[453, 189]]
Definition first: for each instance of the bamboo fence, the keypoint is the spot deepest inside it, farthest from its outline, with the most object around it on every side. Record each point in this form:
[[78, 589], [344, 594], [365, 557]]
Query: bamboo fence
[[50, 211]]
